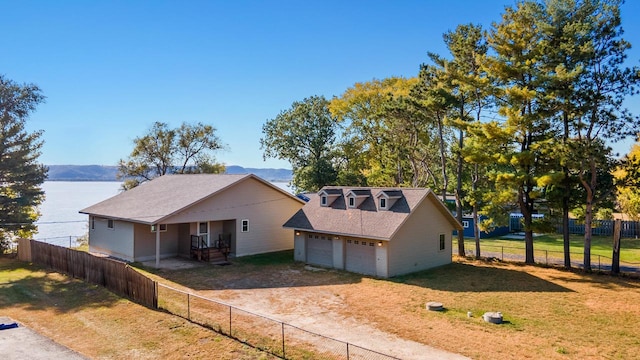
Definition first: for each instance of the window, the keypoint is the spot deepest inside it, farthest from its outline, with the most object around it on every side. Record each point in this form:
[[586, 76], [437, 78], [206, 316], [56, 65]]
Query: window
[[465, 224], [245, 225], [442, 243], [163, 228], [371, 244], [352, 201], [310, 236], [356, 242], [203, 228], [383, 203], [323, 200], [348, 241], [110, 224], [364, 243]]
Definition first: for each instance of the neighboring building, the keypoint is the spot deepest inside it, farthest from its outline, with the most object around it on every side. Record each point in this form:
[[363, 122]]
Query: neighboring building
[[468, 226], [169, 215], [382, 232]]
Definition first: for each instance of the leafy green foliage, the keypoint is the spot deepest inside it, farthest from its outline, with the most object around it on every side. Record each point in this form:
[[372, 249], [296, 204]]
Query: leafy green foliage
[[305, 136], [20, 173], [185, 150]]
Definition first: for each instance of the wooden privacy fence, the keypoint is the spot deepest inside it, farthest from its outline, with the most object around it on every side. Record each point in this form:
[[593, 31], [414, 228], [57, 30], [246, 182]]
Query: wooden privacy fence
[[115, 275]]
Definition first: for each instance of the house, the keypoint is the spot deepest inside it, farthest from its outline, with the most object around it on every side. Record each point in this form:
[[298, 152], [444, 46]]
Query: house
[[193, 215], [382, 232]]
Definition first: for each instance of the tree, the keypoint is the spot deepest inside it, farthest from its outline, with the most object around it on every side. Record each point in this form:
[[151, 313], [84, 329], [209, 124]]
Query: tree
[[386, 129], [305, 136], [21, 176], [601, 93], [516, 67], [627, 178], [468, 91], [187, 149]]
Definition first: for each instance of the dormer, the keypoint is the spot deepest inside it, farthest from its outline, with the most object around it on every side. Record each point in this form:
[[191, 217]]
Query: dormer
[[328, 196], [386, 198], [356, 197]]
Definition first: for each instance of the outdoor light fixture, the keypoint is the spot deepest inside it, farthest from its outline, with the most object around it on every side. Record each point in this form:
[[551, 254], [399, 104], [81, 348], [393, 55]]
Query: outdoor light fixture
[[379, 243], [297, 233]]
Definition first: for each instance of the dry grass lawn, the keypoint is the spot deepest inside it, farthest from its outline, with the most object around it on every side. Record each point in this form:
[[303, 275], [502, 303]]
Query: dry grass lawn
[[549, 313], [98, 324]]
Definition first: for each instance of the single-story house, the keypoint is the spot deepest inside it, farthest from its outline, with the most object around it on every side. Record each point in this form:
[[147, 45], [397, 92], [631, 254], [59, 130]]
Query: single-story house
[[188, 215], [382, 232]]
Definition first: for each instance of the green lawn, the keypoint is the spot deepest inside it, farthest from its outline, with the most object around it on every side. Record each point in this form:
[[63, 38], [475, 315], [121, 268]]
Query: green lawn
[[553, 245]]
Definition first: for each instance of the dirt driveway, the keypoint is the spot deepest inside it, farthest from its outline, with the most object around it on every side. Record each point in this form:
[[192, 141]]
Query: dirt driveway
[[313, 299]]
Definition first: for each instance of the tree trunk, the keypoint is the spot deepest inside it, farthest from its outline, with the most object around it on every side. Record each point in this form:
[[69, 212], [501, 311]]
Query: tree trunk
[[461, 251], [476, 231], [565, 231], [566, 198], [526, 208], [443, 161], [615, 262]]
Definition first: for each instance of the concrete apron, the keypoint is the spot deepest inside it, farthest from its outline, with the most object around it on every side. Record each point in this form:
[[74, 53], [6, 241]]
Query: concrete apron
[[23, 343]]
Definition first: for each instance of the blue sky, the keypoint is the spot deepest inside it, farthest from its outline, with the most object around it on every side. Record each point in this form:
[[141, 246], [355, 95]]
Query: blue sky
[[110, 69]]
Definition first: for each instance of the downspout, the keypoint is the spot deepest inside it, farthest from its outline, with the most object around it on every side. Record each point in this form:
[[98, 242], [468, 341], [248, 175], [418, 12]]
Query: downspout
[[157, 246]]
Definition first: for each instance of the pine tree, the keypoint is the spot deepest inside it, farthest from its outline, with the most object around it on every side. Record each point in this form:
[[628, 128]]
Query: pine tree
[[21, 176]]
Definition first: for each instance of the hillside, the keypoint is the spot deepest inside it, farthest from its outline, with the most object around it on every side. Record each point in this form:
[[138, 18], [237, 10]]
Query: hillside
[[108, 173]]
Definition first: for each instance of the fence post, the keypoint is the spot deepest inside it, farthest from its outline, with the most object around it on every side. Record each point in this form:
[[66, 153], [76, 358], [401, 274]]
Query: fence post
[[598, 262], [502, 253], [69, 241], [230, 332], [546, 257], [347, 351], [284, 356], [189, 306]]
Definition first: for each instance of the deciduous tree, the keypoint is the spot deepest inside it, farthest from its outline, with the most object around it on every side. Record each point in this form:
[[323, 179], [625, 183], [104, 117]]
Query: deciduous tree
[[187, 149], [304, 135]]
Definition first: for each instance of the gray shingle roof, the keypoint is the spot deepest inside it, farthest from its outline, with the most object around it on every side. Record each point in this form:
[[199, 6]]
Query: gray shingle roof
[[366, 220], [155, 200]]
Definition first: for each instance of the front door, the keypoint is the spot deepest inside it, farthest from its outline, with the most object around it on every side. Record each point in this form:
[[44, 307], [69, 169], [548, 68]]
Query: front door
[[203, 230]]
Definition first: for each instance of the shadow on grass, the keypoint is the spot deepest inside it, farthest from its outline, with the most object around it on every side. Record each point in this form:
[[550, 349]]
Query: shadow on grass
[[36, 288], [272, 270], [458, 277]]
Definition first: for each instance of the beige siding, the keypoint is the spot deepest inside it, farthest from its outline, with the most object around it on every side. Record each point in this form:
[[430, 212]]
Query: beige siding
[[116, 242], [265, 208], [145, 244], [416, 246]]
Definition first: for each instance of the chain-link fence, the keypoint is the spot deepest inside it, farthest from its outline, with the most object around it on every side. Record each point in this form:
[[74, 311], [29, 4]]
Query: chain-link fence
[[547, 257], [272, 336]]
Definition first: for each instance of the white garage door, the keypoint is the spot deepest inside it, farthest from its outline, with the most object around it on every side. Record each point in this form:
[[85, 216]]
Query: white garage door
[[320, 250], [361, 257]]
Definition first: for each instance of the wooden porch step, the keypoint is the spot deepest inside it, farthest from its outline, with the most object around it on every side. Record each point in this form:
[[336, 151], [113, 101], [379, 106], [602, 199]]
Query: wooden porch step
[[215, 256]]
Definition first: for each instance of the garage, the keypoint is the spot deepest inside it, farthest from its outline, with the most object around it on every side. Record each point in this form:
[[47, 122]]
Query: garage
[[360, 256], [319, 250]]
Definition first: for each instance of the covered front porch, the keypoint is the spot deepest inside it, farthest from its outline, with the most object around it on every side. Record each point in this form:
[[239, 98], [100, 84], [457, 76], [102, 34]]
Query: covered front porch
[[211, 241]]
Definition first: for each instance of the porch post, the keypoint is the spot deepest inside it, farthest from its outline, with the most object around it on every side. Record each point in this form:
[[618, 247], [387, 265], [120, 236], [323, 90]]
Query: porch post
[[157, 245]]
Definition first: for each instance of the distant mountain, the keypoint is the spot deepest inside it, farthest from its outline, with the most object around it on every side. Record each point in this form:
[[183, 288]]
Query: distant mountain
[[275, 175], [82, 173], [108, 173]]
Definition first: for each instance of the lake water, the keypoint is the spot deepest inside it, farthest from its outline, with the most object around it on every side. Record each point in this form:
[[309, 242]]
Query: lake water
[[60, 222]]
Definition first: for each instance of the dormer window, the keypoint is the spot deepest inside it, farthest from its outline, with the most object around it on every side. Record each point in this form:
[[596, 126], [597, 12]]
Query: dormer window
[[387, 198], [328, 196], [356, 197]]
